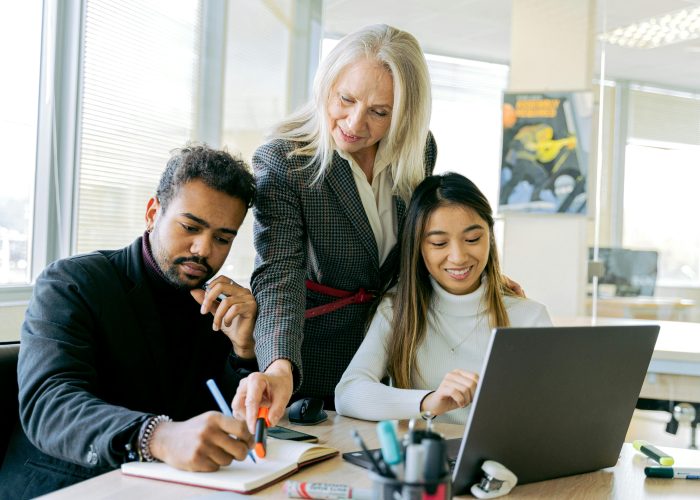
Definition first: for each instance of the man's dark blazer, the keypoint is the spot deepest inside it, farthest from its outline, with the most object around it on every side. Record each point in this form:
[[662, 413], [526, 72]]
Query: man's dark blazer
[[91, 370], [318, 232]]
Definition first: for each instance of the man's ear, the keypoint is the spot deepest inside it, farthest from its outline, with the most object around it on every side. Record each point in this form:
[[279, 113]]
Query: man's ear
[[152, 211]]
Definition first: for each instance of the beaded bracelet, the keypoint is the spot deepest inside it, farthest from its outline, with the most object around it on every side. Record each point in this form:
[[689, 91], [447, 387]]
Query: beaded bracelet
[[146, 435]]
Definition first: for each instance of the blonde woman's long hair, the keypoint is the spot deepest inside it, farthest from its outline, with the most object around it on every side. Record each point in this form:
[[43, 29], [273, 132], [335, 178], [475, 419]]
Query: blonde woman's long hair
[[400, 53], [414, 292]]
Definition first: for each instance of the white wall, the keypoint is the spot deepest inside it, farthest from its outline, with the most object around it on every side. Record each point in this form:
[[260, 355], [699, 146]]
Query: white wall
[[546, 256], [11, 317]]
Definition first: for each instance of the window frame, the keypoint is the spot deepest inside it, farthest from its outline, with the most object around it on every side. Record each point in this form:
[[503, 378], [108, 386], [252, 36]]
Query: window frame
[[57, 103], [55, 192]]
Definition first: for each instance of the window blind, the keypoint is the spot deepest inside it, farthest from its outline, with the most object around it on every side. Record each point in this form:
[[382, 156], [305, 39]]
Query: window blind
[[664, 117], [140, 63], [453, 78]]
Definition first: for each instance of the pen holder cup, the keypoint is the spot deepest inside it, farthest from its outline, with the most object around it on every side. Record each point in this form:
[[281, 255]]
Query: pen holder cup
[[385, 488]]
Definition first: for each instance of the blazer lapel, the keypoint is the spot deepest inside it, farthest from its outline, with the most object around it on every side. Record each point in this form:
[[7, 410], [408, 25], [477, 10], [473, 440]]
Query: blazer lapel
[[390, 265], [341, 181]]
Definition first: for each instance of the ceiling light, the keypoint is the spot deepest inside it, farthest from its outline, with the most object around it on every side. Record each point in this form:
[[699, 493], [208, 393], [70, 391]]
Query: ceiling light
[[674, 27]]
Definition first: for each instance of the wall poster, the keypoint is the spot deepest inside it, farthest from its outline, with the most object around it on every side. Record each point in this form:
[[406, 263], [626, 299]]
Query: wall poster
[[544, 160]]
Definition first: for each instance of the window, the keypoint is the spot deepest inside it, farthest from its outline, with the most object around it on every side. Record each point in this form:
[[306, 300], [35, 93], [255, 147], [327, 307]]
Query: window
[[255, 96], [661, 178], [660, 181], [466, 119], [20, 49], [140, 68]]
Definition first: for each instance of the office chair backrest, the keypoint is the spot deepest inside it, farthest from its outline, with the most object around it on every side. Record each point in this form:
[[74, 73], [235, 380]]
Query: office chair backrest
[[9, 353]]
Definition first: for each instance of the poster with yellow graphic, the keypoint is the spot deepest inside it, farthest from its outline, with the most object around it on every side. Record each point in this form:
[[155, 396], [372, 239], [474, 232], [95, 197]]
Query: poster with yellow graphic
[[544, 161]]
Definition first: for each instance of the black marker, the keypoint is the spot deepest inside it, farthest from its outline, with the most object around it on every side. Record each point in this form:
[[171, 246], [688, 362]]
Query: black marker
[[673, 472], [435, 463]]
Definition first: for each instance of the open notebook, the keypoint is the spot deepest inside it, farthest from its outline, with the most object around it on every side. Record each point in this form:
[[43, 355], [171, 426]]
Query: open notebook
[[283, 459]]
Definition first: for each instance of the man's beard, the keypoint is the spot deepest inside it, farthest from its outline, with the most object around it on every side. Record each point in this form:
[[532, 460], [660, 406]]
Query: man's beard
[[172, 274]]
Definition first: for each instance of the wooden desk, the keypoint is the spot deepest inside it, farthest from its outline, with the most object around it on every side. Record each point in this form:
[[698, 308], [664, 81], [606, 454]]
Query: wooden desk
[[624, 481]]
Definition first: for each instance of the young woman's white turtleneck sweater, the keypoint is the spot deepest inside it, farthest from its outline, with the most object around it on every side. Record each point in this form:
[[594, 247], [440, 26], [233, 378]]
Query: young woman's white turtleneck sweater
[[457, 336]]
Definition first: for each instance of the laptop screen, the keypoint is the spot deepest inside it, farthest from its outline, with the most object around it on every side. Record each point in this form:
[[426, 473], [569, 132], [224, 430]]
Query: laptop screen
[[554, 401]]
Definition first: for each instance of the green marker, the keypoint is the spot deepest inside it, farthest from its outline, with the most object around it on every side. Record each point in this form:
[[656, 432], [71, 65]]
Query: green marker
[[652, 452]]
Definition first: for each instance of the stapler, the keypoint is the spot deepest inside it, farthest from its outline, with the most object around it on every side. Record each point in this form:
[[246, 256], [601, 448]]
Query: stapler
[[497, 481]]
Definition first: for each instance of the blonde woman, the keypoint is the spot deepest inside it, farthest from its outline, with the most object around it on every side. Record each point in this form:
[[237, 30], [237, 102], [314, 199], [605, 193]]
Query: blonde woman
[[430, 336], [332, 185]]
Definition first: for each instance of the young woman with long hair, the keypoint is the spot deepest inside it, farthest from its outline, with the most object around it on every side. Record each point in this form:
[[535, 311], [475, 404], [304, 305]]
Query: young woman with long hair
[[430, 334]]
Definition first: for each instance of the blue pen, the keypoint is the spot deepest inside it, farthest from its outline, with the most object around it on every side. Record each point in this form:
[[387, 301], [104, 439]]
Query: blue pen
[[214, 389]]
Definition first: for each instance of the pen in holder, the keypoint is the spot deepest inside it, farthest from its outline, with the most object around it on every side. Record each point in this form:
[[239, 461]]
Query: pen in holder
[[416, 471], [386, 488]]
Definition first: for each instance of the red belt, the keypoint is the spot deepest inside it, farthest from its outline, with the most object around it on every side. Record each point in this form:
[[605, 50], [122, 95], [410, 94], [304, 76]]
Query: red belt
[[344, 297]]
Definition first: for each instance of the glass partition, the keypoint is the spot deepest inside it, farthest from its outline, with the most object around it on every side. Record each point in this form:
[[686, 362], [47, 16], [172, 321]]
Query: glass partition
[[646, 238], [650, 247]]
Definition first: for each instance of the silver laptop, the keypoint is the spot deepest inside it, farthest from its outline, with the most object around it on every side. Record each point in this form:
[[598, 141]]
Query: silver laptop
[[555, 401]]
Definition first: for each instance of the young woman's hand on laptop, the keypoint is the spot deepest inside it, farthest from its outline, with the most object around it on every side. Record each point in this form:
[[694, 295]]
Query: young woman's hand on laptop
[[456, 390]]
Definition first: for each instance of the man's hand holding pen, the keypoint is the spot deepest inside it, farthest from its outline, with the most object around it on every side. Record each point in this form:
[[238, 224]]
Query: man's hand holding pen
[[234, 310], [203, 443]]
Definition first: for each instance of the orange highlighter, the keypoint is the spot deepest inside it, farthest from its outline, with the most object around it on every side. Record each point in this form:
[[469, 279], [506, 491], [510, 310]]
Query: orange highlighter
[[261, 426]]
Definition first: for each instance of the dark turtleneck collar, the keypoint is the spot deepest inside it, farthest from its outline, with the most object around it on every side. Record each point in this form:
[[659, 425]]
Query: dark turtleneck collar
[[154, 273]]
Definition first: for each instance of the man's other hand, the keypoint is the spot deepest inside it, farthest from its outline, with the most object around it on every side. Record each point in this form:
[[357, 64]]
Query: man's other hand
[[234, 315]]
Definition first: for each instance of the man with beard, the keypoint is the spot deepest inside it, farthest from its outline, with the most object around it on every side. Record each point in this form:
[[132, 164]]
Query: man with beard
[[117, 345]]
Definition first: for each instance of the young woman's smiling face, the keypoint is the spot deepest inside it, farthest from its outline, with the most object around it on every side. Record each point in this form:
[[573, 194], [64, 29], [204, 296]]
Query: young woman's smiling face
[[455, 248]]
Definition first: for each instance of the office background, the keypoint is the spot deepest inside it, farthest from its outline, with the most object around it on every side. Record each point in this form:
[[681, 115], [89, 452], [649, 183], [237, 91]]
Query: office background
[[96, 93]]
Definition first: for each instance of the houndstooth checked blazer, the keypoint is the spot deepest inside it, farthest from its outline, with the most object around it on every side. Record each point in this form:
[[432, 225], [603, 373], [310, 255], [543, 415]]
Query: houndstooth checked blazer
[[322, 233]]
